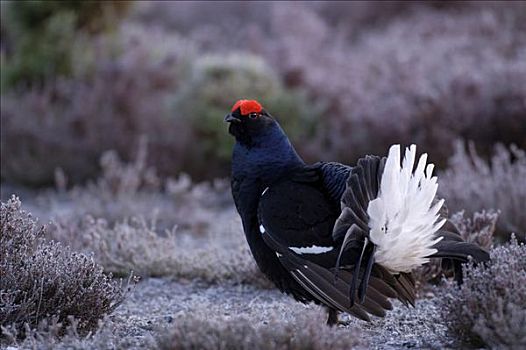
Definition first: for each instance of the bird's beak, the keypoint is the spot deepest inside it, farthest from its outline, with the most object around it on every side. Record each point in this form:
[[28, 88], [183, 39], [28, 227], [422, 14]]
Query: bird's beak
[[229, 118]]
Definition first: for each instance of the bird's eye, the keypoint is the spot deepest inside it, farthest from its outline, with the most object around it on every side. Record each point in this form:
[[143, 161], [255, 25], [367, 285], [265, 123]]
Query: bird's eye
[[253, 115]]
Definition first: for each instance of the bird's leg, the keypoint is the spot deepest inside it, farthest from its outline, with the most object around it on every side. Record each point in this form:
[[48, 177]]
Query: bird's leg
[[333, 317]]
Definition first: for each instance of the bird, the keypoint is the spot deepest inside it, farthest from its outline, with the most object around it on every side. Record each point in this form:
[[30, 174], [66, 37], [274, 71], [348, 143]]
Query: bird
[[345, 237]]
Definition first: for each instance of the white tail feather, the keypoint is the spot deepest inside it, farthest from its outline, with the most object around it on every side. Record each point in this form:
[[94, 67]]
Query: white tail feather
[[403, 219]]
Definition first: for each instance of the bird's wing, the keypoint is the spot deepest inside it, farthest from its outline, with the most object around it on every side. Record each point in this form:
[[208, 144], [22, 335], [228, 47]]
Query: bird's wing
[[334, 179], [302, 219], [331, 177], [296, 221]]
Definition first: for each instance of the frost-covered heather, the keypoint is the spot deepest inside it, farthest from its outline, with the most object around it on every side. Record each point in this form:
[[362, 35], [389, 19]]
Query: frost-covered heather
[[133, 188], [490, 306], [428, 76], [480, 229], [108, 336], [472, 184], [111, 101], [133, 221], [305, 330], [46, 283], [135, 245]]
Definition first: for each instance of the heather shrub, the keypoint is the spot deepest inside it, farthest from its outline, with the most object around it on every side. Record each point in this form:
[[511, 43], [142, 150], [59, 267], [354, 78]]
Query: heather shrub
[[489, 308], [126, 189], [305, 330], [54, 337], [479, 229], [426, 77], [136, 245], [471, 183], [47, 282], [132, 220], [69, 123], [41, 36]]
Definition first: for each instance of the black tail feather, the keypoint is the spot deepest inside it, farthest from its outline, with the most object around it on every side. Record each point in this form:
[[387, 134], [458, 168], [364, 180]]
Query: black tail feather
[[366, 275], [408, 286], [354, 282], [320, 283], [460, 251], [454, 251]]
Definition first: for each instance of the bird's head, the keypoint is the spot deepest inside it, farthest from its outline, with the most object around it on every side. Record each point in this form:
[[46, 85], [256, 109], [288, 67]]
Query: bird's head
[[250, 123], [270, 153]]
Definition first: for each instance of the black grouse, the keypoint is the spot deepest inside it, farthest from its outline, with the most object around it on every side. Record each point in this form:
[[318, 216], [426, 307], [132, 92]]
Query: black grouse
[[345, 237]]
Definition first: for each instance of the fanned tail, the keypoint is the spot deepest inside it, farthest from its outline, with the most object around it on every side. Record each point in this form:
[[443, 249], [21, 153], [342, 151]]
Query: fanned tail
[[392, 220]]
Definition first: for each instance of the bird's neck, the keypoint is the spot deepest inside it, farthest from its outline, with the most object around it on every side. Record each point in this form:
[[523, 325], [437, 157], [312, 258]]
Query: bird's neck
[[269, 157]]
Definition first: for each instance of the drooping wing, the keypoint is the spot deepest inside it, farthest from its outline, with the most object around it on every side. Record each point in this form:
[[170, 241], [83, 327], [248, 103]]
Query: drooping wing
[[296, 222]]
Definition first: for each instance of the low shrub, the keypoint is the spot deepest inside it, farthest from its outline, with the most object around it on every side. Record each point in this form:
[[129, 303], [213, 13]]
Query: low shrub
[[130, 219], [479, 230], [428, 76], [135, 245], [47, 282], [126, 189], [305, 330], [472, 184], [54, 337], [489, 308], [68, 123], [42, 36]]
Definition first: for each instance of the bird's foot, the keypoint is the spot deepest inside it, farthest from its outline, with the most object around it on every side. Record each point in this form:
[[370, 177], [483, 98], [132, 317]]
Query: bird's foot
[[332, 319]]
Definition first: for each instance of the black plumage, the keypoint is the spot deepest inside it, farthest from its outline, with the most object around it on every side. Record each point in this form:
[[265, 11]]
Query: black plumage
[[307, 225]]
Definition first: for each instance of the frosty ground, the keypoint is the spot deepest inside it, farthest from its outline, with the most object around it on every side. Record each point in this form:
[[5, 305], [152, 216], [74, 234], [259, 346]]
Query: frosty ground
[[157, 303]]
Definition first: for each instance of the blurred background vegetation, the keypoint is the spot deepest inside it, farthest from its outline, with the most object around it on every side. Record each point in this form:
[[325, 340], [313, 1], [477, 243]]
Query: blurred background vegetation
[[344, 79]]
